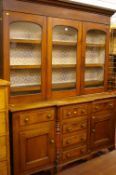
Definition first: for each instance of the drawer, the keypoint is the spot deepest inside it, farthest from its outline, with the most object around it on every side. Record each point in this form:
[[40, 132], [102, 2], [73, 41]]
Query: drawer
[[78, 139], [2, 98], [2, 123], [103, 106], [3, 146], [74, 153], [3, 168], [36, 116], [74, 111], [75, 125]]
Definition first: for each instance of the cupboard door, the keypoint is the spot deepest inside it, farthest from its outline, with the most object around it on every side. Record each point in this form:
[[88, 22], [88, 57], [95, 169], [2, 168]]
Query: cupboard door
[[37, 146], [64, 38], [102, 130], [25, 61], [95, 58]]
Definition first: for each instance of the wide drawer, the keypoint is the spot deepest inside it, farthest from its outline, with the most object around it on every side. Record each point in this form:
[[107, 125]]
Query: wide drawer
[[3, 146], [75, 125], [2, 123], [74, 153], [76, 139], [3, 168], [36, 116], [106, 105], [74, 111]]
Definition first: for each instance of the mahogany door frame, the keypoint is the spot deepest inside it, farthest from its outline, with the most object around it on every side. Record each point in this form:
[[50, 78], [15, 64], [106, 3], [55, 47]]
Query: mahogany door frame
[[52, 22], [10, 17], [100, 27]]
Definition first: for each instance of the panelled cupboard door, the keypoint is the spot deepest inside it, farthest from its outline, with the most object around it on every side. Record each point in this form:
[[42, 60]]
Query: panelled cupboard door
[[102, 130], [95, 48], [37, 147], [64, 52], [24, 52]]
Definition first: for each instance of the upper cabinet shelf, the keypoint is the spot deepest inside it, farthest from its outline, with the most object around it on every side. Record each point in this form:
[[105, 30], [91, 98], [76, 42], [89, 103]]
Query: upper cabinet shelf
[[94, 65], [59, 66], [95, 45], [25, 41], [64, 43], [25, 66]]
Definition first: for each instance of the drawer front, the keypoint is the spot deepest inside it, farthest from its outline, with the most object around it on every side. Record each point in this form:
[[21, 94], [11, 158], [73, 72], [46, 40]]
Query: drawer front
[[74, 111], [2, 98], [74, 153], [2, 123], [103, 106], [36, 116], [3, 168], [78, 139], [74, 125], [3, 146]]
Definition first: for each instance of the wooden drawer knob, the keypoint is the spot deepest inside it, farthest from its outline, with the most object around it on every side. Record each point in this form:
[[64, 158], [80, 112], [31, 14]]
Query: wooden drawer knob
[[83, 125], [75, 112], [69, 113], [49, 116], [83, 111], [93, 117], [111, 105], [26, 120], [97, 107], [93, 130], [82, 139], [68, 142], [52, 141], [69, 129]]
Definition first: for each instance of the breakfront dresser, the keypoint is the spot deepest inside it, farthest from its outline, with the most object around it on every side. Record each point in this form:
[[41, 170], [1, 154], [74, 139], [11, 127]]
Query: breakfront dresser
[[56, 56], [4, 131]]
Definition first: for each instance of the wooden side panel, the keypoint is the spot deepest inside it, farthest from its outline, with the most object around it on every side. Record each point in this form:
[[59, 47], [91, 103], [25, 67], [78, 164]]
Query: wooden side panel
[[1, 39]]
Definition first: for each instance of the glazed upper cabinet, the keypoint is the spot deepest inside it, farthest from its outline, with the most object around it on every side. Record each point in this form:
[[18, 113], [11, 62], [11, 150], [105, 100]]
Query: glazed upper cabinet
[[64, 40], [53, 57], [95, 57], [25, 40]]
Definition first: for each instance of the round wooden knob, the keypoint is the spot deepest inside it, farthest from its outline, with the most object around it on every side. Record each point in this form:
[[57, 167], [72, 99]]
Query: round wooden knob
[[83, 125], [69, 113], [93, 117], [26, 119], [75, 112], [111, 105], [69, 129], [49, 116], [93, 130], [52, 141]]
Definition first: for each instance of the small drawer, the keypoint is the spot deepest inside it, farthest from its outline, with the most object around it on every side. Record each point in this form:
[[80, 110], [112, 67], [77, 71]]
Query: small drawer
[[78, 139], [103, 106], [74, 153], [2, 123], [36, 116], [3, 168], [74, 125], [3, 148], [74, 111]]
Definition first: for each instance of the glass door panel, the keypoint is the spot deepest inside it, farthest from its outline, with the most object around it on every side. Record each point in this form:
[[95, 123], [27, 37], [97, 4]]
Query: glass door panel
[[95, 58], [25, 58], [64, 56]]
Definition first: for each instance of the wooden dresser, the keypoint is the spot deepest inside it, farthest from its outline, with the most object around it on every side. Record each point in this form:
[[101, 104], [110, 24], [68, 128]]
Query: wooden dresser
[[52, 134], [4, 129]]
